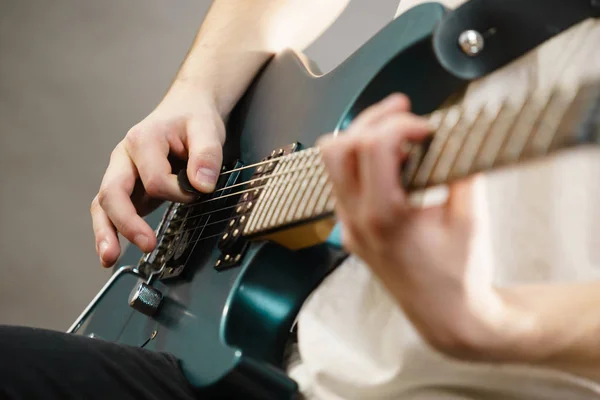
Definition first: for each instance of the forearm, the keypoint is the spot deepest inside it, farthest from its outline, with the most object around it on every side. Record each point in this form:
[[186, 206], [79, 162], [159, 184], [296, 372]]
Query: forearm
[[553, 326], [566, 328], [238, 36], [556, 326]]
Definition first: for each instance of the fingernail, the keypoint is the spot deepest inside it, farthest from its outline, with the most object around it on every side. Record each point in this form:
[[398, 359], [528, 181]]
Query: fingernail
[[207, 177], [141, 241], [102, 248]]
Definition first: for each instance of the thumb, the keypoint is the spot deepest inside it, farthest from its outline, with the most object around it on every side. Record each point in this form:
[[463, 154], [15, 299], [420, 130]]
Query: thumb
[[205, 152], [461, 198]]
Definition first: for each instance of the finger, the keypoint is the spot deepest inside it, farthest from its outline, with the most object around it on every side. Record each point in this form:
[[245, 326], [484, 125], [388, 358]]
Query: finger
[[107, 241], [205, 144], [396, 102], [341, 163], [380, 160], [460, 204], [383, 149], [382, 196], [150, 154], [114, 198]]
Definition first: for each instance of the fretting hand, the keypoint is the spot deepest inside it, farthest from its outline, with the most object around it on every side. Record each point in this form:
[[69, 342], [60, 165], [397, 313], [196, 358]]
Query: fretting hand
[[421, 255]]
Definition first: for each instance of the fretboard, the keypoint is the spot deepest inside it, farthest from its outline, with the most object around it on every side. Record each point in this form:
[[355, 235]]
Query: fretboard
[[464, 143]]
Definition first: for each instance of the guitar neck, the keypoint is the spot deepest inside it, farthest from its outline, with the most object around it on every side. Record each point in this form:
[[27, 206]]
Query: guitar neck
[[297, 193]]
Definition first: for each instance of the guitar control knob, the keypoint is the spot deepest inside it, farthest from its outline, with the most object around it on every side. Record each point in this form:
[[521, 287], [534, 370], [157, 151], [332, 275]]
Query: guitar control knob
[[146, 299]]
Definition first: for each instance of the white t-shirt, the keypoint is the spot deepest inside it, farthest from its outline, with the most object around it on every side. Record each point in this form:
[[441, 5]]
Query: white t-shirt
[[537, 223]]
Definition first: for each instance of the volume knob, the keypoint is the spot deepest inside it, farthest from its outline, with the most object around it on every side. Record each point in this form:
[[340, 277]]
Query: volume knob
[[146, 299]]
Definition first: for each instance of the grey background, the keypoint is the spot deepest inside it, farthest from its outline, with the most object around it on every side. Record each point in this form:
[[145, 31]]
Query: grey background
[[75, 75]]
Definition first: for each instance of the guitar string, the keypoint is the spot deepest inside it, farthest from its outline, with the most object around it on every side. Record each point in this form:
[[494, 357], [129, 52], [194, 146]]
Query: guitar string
[[191, 229], [304, 153], [192, 217], [285, 182], [197, 241], [200, 238], [269, 161], [281, 183], [245, 167], [304, 178], [269, 176], [186, 206], [313, 151]]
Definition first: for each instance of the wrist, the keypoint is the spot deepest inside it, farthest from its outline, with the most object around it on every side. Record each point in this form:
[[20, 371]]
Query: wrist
[[195, 93]]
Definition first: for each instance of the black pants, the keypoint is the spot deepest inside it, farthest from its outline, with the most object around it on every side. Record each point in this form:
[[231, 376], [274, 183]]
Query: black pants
[[42, 364]]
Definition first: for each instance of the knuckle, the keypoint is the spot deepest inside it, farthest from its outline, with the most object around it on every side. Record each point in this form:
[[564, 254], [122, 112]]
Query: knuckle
[[339, 155], [397, 124], [104, 195], [134, 136], [209, 155], [95, 205], [370, 143], [376, 223], [123, 228], [154, 185], [324, 143]]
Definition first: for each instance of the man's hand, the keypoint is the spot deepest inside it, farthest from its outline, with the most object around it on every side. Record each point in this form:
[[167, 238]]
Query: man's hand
[[185, 125], [235, 40], [421, 255]]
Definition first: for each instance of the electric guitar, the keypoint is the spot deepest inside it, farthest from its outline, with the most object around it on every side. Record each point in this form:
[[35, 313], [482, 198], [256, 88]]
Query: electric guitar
[[231, 270]]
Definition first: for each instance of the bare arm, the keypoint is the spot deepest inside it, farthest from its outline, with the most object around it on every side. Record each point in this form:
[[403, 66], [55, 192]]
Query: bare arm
[[565, 324], [234, 41], [424, 258], [238, 36]]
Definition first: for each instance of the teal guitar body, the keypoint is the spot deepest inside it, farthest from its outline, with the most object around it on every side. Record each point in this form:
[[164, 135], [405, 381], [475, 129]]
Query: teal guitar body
[[230, 326]]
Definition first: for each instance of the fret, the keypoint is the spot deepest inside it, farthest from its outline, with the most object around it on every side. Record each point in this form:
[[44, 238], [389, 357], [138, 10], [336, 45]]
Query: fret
[[283, 183], [263, 200], [436, 119], [559, 131], [279, 183], [417, 151], [288, 194], [309, 189], [467, 154], [496, 136], [553, 111], [320, 183], [301, 184], [435, 148], [251, 224], [521, 131], [457, 135], [325, 197], [413, 160]]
